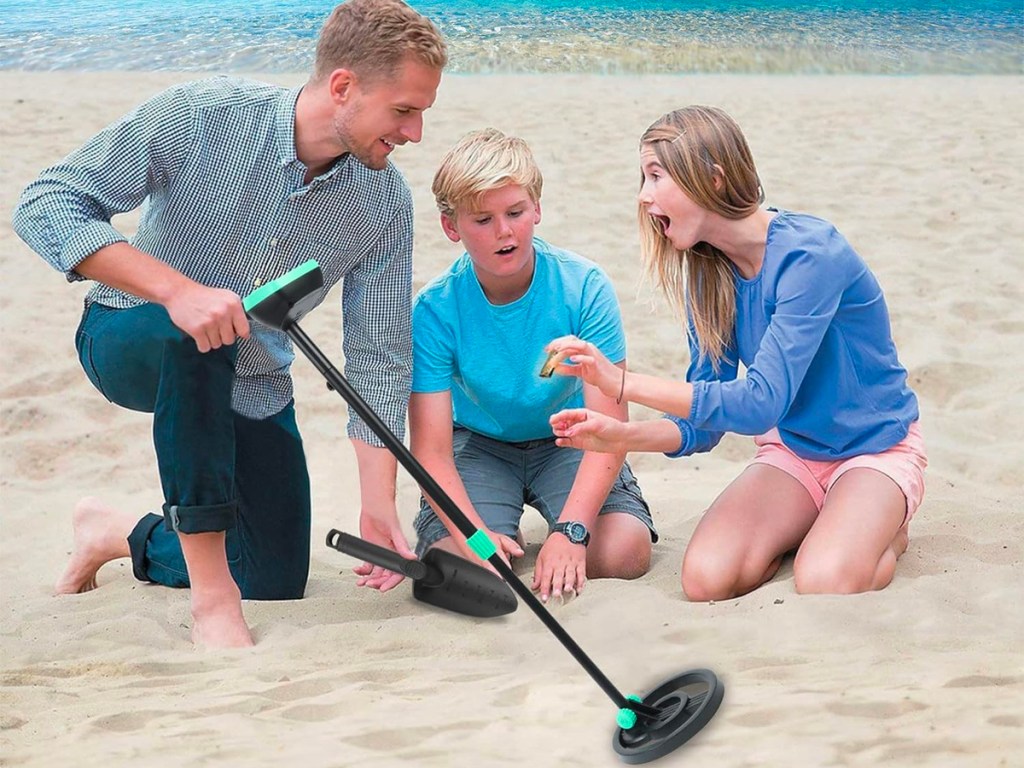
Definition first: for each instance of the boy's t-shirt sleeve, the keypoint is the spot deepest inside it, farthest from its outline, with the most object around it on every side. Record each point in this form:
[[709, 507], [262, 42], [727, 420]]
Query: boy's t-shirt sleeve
[[433, 349], [601, 317]]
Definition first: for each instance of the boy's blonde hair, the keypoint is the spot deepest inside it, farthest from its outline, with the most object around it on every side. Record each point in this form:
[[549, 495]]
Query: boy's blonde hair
[[482, 161], [374, 37]]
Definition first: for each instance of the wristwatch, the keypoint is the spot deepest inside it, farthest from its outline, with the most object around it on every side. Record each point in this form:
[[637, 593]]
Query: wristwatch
[[574, 531]]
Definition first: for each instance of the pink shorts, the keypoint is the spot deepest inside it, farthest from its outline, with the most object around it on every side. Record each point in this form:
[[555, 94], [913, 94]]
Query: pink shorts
[[904, 464]]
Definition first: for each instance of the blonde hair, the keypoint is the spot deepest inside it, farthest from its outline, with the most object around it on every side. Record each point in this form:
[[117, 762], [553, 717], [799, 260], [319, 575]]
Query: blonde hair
[[699, 147], [482, 161], [374, 37]]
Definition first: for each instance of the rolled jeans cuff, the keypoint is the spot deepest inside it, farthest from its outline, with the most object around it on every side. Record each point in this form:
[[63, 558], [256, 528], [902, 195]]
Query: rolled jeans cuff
[[211, 518], [137, 544]]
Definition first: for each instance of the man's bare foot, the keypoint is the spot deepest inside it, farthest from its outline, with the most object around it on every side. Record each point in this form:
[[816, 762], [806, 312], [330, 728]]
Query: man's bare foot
[[217, 622], [100, 535]]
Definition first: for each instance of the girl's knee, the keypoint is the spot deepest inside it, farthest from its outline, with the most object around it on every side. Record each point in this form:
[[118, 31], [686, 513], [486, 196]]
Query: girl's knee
[[831, 573], [705, 577]]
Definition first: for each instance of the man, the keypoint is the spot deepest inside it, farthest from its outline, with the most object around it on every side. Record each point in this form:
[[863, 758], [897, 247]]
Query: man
[[241, 182]]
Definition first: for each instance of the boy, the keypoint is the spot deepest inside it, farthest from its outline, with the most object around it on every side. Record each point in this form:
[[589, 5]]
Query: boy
[[478, 414]]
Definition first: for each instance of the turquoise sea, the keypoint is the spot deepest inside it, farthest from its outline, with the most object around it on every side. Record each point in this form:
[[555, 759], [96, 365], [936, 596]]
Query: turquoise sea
[[623, 36]]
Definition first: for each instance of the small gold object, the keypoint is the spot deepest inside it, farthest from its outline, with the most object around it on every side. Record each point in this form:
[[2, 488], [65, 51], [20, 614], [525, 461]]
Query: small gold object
[[550, 364]]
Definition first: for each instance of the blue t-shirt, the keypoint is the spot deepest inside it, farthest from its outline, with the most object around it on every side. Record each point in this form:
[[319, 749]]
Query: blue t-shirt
[[490, 355], [812, 329]]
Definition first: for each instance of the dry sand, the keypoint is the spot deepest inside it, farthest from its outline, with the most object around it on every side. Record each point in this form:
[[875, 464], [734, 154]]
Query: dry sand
[[922, 174]]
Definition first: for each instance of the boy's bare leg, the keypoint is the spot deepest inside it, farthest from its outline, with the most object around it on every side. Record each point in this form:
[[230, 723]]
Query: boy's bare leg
[[101, 535]]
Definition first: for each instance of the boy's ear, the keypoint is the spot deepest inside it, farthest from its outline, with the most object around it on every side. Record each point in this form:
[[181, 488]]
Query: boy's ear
[[448, 225], [536, 219]]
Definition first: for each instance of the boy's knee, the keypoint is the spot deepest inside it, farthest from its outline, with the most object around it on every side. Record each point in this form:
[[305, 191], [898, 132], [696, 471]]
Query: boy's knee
[[626, 563]]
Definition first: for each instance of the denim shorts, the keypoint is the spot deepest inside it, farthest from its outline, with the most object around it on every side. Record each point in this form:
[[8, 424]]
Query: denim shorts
[[502, 477]]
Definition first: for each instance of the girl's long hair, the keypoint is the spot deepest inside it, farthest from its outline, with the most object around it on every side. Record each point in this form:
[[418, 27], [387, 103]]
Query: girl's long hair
[[696, 146]]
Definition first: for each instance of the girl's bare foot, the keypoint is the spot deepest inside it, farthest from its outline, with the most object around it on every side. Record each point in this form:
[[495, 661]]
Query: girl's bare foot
[[100, 535]]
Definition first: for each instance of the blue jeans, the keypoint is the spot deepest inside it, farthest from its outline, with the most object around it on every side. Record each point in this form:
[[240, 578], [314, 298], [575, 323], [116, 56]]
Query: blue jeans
[[501, 477], [219, 471]]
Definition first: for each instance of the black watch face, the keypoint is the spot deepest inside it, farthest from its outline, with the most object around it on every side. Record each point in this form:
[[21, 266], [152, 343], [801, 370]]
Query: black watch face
[[576, 532]]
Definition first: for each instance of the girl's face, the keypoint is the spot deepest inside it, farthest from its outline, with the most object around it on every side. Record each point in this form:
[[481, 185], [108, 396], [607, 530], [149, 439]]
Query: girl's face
[[680, 220]]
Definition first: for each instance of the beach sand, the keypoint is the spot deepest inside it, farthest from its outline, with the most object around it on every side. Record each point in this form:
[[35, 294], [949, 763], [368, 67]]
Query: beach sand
[[922, 174]]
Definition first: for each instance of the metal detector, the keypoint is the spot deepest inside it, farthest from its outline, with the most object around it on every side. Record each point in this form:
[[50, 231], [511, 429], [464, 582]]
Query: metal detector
[[649, 727]]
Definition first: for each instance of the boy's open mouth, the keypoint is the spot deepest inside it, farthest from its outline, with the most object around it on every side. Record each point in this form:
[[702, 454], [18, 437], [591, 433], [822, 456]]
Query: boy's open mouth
[[506, 250]]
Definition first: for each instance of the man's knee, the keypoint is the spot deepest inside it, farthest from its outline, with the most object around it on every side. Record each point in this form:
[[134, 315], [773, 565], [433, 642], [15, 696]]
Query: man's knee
[[281, 587]]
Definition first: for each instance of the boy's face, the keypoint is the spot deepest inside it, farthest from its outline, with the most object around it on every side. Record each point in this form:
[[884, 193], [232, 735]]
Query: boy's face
[[498, 235]]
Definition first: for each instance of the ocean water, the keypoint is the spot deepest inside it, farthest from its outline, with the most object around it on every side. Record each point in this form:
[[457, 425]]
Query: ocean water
[[621, 36]]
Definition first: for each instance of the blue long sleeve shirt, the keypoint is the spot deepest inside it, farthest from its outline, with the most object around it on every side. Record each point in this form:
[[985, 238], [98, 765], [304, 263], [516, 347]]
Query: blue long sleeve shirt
[[812, 330]]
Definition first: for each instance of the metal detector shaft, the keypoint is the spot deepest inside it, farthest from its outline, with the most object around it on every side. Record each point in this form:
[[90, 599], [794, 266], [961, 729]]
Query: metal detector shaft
[[432, 489]]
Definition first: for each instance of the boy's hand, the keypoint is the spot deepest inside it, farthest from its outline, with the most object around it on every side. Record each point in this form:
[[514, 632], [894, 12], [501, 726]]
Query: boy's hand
[[506, 548], [561, 567]]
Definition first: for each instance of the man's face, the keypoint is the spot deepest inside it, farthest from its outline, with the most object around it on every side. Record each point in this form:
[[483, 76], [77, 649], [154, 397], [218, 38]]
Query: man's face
[[377, 115]]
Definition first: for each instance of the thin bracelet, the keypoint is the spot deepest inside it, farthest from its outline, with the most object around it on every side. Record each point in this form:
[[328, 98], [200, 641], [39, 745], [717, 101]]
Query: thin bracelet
[[622, 388]]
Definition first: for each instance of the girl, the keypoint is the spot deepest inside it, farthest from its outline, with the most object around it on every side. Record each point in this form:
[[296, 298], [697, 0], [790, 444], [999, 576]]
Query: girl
[[839, 468]]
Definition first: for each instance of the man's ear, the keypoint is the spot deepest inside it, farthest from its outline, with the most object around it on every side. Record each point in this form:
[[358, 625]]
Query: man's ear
[[448, 225], [340, 85]]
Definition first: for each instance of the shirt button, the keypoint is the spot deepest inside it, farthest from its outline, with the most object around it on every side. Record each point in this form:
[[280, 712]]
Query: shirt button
[[256, 283], [273, 242]]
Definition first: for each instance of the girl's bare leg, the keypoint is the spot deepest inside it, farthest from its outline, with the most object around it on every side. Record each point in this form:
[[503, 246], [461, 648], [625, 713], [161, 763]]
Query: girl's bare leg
[[855, 542], [739, 543]]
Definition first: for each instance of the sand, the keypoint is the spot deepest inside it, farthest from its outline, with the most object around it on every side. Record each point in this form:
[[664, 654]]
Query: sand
[[922, 174]]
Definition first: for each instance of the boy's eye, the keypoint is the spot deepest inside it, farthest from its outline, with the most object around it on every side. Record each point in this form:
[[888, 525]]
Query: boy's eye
[[483, 220], [514, 214], [402, 110]]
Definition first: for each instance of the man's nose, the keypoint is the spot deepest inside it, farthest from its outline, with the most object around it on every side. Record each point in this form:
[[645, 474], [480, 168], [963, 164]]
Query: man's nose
[[412, 130]]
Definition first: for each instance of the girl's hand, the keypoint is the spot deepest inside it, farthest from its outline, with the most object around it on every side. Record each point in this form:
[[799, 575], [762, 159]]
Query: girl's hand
[[587, 363], [589, 431]]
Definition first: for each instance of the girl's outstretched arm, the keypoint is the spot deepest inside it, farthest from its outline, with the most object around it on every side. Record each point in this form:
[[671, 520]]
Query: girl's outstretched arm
[[592, 431]]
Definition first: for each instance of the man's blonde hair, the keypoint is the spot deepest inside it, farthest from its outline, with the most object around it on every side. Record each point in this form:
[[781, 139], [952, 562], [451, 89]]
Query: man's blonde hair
[[482, 161], [373, 37]]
